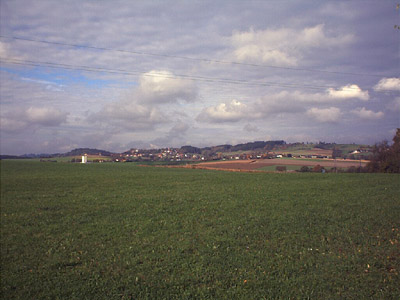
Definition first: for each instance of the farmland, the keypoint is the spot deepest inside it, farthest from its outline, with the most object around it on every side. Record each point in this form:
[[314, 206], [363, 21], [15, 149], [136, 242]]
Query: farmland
[[121, 231], [266, 164]]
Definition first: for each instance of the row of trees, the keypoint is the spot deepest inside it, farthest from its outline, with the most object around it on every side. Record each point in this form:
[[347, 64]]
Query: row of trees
[[386, 158], [321, 169]]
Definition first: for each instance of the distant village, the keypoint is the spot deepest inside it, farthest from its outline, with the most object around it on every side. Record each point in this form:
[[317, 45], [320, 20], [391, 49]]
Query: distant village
[[248, 151]]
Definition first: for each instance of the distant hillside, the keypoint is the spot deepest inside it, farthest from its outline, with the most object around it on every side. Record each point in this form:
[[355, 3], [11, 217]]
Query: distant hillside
[[251, 146], [88, 151], [11, 157], [269, 145], [190, 149], [341, 150]]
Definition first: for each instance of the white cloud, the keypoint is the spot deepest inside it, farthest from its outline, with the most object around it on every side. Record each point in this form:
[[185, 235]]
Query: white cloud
[[388, 84], [298, 96], [324, 115], [224, 112], [179, 128], [46, 116], [51, 86], [288, 34], [256, 53], [7, 53], [141, 111], [348, 91], [293, 101], [175, 136], [251, 128], [3, 50], [129, 115], [282, 46], [164, 87], [11, 125], [32, 118], [394, 105], [365, 114]]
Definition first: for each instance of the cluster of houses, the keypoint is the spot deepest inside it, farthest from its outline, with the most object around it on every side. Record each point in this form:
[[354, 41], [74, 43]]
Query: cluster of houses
[[157, 155], [179, 154], [174, 154]]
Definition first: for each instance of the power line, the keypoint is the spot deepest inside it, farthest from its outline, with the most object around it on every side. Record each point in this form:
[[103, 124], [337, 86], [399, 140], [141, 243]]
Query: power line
[[162, 75], [189, 58]]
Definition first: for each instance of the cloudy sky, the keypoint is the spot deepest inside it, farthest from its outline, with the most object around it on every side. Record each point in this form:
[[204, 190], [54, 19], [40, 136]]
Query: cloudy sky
[[117, 75]]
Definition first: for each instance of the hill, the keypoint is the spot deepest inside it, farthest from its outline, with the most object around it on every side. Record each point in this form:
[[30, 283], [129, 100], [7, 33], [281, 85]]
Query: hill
[[278, 146], [251, 146], [88, 151]]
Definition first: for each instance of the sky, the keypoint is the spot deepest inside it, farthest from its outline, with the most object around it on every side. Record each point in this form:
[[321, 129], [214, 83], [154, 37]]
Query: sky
[[116, 75]]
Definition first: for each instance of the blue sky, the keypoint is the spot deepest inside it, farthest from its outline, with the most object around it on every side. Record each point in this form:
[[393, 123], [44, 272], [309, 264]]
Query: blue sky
[[122, 74]]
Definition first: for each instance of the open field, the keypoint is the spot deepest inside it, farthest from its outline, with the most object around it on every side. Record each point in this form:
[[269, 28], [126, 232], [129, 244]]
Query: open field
[[120, 231], [311, 151], [79, 157], [273, 168], [264, 164]]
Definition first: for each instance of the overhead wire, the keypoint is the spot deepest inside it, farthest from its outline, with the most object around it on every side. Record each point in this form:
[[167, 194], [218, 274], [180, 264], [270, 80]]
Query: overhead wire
[[189, 58], [45, 64]]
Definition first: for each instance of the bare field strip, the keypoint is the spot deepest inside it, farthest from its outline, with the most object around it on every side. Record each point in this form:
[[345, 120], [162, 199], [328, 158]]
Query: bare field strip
[[253, 165]]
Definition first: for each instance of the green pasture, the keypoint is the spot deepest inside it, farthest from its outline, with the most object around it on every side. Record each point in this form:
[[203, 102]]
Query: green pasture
[[70, 158], [273, 168], [121, 231]]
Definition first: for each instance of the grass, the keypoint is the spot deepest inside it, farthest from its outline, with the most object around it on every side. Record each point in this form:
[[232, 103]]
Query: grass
[[273, 168], [165, 163], [307, 149], [119, 231], [68, 159], [304, 159]]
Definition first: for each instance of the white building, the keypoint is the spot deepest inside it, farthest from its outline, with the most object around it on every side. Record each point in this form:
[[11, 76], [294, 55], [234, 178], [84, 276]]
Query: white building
[[84, 159]]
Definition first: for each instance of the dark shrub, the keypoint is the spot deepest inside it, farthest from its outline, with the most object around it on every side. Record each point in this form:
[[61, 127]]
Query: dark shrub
[[317, 169], [304, 169], [281, 168], [352, 169], [386, 158]]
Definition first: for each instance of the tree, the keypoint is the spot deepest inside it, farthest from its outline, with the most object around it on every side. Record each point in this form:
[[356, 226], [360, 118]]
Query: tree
[[304, 169], [336, 152], [281, 168], [386, 158], [317, 169]]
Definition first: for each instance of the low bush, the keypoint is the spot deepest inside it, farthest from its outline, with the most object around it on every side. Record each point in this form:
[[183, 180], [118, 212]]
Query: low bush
[[280, 168], [318, 169], [304, 169]]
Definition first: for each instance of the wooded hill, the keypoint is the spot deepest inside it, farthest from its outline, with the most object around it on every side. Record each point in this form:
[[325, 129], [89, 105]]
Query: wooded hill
[[88, 151], [251, 146]]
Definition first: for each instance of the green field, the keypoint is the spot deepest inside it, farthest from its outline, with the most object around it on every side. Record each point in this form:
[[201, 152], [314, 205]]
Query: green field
[[273, 168], [120, 231]]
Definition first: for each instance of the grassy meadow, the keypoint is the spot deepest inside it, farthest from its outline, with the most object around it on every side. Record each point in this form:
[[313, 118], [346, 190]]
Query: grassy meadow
[[288, 168], [121, 231]]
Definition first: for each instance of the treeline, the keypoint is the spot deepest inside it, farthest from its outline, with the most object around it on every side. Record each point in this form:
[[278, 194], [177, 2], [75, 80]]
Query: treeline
[[251, 146], [88, 151], [321, 169], [386, 158], [11, 157]]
